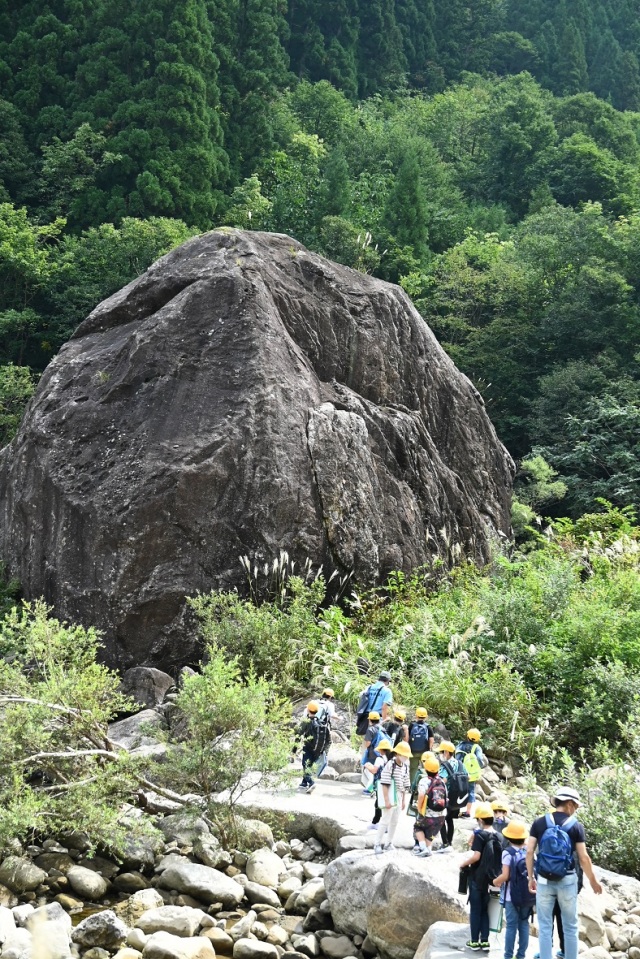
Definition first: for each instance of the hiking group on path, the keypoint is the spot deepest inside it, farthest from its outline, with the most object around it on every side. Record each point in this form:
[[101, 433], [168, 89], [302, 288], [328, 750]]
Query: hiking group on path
[[541, 868]]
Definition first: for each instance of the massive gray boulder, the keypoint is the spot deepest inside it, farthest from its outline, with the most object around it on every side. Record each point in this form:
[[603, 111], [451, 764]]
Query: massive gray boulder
[[243, 396]]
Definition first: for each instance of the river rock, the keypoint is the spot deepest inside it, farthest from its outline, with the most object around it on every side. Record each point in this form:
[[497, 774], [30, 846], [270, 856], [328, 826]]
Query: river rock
[[337, 948], [203, 883], [178, 920], [220, 940], [102, 929], [393, 898], [242, 928], [51, 913], [290, 885], [309, 402], [265, 868], [207, 849], [8, 922], [253, 834], [21, 875], [18, 945], [183, 827], [260, 895], [441, 939], [254, 949], [130, 882], [311, 894], [135, 733], [162, 945], [145, 685], [140, 852], [87, 883], [61, 861], [126, 952]]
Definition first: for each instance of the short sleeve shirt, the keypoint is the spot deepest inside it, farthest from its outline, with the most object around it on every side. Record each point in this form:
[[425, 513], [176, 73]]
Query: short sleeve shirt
[[379, 695]]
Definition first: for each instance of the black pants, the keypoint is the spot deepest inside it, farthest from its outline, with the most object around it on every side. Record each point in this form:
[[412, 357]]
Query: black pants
[[557, 915], [377, 815], [446, 833]]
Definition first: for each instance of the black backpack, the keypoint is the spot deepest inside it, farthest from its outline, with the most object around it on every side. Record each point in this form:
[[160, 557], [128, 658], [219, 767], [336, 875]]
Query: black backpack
[[519, 879], [320, 733], [457, 785], [419, 737], [366, 706], [490, 865]]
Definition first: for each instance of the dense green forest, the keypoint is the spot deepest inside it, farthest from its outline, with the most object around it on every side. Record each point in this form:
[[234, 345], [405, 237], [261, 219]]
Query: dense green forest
[[483, 154]]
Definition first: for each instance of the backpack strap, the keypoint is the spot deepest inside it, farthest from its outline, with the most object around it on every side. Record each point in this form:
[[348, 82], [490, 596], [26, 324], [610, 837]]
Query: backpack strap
[[550, 821], [569, 823]]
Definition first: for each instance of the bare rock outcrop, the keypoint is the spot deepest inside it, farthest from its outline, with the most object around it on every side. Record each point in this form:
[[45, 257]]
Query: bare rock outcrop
[[243, 396]]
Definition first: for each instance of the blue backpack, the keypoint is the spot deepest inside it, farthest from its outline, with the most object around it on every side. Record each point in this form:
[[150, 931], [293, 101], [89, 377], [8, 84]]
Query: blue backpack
[[519, 880], [555, 849], [418, 737]]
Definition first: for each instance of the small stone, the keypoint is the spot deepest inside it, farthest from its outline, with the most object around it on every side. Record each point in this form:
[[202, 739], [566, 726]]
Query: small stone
[[69, 903], [316, 845], [278, 936], [256, 893], [253, 949], [634, 952], [8, 921], [338, 948], [21, 914], [314, 870], [368, 948], [130, 882], [101, 929], [162, 945], [307, 945], [243, 927], [311, 894], [96, 953], [265, 868], [220, 940], [19, 945], [282, 849], [289, 885], [126, 952], [21, 875], [137, 939], [260, 931], [87, 883], [177, 920]]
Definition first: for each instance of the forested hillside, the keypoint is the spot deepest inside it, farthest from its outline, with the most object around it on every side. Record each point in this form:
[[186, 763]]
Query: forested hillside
[[483, 154]]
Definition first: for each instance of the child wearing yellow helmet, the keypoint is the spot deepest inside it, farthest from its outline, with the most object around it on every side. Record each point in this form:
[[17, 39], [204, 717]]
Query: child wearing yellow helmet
[[420, 739], [470, 755], [396, 728], [456, 779], [393, 790], [432, 806], [518, 902], [484, 862]]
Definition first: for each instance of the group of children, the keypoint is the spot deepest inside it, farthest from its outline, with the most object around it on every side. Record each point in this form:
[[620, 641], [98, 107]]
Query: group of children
[[404, 772]]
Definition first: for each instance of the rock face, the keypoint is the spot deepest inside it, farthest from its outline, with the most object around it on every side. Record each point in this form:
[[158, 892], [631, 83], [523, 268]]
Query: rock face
[[393, 898], [243, 396]]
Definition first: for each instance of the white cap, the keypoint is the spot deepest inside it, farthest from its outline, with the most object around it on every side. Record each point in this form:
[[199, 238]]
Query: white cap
[[566, 794]]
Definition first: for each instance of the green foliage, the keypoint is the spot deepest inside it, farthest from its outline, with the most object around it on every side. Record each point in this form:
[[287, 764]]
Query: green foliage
[[58, 771], [235, 733], [16, 389]]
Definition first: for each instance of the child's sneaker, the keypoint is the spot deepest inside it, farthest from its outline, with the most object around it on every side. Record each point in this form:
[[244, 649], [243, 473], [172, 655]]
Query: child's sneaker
[[424, 853], [474, 946], [485, 946], [377, 850], [389, 847]]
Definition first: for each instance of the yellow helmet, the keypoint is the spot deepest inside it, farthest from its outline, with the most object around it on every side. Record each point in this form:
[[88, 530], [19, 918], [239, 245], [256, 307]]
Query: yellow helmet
[[328, 693], [474, 735], [421, 712], [374, 716], [384, 744], [313, 706], [499, 805], [430, 762], [399, 713], [402, 749], [483, 811], [446, 747], [515, 830]]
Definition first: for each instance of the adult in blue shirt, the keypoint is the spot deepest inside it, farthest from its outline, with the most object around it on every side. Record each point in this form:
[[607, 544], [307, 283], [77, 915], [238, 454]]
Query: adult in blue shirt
[[381, 697]]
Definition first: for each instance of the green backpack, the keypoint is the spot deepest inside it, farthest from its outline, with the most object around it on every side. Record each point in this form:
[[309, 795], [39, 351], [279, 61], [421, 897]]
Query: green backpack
[[469, 761]]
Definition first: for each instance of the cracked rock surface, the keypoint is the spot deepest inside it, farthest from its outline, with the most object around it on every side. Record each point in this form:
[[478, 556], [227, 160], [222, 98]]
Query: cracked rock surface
[[243, 396]]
